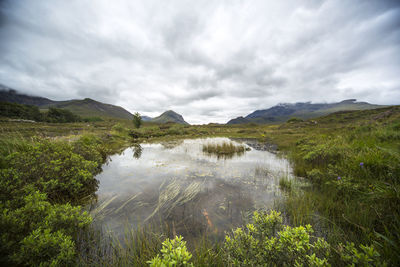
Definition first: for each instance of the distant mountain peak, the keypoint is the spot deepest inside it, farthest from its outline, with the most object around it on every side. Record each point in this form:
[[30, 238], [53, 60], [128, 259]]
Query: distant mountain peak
[[169, 116]]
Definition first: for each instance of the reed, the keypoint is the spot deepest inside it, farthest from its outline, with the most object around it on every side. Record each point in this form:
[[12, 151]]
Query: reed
[[226, 148]]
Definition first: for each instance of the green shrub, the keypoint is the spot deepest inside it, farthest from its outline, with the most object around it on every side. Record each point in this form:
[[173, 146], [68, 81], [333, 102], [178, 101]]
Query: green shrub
[[45, 248], [174, 253], [266, 242], [53, 168], [91, 148], [316, 176], [35, 232]]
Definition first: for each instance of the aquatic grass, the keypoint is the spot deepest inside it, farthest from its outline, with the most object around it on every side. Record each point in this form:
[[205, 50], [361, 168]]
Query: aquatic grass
[[226, 148], [139, 245], [286, 184], [172, 195]]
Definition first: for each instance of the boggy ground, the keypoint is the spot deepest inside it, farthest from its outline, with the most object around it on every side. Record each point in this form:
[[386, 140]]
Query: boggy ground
[[350, 160]]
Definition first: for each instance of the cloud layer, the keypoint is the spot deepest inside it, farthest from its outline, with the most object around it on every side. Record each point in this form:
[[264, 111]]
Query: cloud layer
[[207, 60]]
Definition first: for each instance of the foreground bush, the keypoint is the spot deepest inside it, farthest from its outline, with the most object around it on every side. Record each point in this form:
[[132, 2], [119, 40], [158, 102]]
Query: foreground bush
[[174, 253], [52, 168], [38, 225], [35, 232], [266, 242]]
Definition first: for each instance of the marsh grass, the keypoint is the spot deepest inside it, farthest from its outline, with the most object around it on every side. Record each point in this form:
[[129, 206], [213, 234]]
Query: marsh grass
[[286, 184], [352, 161], [139, 245], [226, 148]]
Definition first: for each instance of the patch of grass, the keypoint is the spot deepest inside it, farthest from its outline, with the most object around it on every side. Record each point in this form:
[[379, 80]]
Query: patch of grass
[[286, 184], [226, 148], [352, 160]]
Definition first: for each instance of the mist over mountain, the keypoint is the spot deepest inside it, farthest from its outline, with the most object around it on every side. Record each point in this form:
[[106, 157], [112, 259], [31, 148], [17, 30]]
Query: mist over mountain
[[85, 107]]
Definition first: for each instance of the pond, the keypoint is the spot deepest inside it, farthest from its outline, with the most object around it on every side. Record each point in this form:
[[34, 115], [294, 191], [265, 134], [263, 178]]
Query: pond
[[177, 185]]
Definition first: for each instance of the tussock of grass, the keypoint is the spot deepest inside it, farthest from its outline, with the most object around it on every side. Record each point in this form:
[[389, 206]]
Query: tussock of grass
[[286, 184], [223, 149]]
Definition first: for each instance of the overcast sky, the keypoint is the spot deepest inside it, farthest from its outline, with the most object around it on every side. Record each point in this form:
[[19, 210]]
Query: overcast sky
[[207, 60]]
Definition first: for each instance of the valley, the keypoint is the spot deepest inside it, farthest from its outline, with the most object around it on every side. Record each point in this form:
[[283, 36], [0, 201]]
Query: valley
[[337, 173]]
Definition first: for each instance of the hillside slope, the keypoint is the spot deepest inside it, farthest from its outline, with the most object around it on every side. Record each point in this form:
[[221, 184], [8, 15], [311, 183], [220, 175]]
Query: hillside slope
[[307, 110], [84, 108], [12, 96], [170, 116], [92, 108]]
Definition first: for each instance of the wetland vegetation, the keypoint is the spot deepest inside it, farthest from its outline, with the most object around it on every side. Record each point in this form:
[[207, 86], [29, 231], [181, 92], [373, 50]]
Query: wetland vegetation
[[341, 207], [224, 149]]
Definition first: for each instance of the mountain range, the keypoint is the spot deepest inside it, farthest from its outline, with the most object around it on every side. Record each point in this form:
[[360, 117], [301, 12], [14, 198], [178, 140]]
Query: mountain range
[[91, 108], [85, 107], [301, 110]]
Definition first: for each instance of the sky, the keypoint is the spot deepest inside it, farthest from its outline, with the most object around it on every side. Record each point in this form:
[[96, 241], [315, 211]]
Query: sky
[[210, 61]]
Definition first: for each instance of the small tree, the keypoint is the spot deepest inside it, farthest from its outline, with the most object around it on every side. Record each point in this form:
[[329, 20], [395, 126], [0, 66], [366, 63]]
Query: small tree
[[137, 120]]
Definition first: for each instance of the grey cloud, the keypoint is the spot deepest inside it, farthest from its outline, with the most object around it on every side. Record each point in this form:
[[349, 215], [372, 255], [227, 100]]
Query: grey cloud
[[208, 60]]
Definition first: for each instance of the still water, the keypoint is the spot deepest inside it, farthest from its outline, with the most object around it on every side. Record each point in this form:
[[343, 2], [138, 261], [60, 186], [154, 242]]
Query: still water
[[176, 184]]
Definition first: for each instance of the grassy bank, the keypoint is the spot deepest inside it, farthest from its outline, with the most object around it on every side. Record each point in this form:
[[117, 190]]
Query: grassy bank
[[352, 163]]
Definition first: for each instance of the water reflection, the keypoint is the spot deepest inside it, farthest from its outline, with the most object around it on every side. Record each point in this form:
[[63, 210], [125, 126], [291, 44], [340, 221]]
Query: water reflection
[[137, 151], [181, 186]]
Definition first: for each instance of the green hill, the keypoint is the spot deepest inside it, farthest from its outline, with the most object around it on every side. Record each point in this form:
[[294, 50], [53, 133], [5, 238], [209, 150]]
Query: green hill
[[86, 108], [169, 116], [92, 108], [12, 96], [307, 110]]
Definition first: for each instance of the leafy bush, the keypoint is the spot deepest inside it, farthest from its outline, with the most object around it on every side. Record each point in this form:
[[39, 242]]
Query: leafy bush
[[91, 148], [53, 168], [35, 232], [36, 227], [174, 253], [266, 242]]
